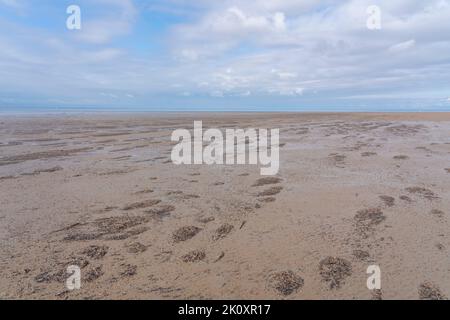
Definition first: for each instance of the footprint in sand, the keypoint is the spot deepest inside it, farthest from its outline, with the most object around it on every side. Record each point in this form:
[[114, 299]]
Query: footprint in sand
[[113, 228], [182, 196], [286, 282], [185, 233], [429, 291], [377, 294], [426, 193], [367, 219], [268, 199], [388, 200], [146, 191], [128, 270], [338, 159], [368, 154], [270, 192], [161, 212], [437, 213], [96, 252], [93, 274], [267, 181], [361, 255], [401, 157], [194, 256], [223, 231], [136, 247], [406, 199], [334, 271], [141, 205]]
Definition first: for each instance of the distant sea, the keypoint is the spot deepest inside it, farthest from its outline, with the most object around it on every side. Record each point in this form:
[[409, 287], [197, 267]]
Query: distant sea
[[83, 110]]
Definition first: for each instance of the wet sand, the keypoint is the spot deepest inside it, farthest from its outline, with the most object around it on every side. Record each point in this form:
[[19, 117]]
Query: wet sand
[[100, 191]]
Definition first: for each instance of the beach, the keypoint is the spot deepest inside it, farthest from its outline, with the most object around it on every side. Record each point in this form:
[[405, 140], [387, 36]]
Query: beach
[[100, 191]]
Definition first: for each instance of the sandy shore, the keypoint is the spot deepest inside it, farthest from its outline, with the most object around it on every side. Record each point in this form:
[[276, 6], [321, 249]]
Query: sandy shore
[[100, 191]]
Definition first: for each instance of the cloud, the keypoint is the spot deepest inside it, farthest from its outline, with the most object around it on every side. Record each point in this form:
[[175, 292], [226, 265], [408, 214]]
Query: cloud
[[311, 52], [403, 46], [118, 22], [12, 3]]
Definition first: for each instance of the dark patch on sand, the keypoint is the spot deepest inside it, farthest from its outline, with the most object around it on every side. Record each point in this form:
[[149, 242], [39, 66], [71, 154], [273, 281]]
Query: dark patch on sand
[[286, 282], [270, 192], [268, 199], [113, 228], [401, 157], [368, 154], [404, 130], [429, 291], [388, 200], [437, 213], [93, 274], [337, 159], [267, 181], [40, 156], [48, 277], [128, 270], [128, 234], [146, 191], [194, 256], [185, 233], [136, 247], [96, 252], [405, 198], [118, 224], [367, 219], [161, 212], [223, 231], [334, 271], [38, 172], [377, 294], [219, 257], [361, 255], [61, 274], [7, 178], [426, 193], [141, 205]]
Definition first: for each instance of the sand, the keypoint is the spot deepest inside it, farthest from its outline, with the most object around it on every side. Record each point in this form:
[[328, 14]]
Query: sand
[[99, 191]]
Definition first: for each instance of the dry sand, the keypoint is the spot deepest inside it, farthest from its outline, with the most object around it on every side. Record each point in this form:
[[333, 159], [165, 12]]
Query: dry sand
[[100, 191]]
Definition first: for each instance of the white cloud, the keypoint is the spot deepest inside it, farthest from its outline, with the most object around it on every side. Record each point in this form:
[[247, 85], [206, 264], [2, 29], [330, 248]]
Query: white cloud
[[217, 94], [102, 30], [12, 3], [234, 48], [403, 46]]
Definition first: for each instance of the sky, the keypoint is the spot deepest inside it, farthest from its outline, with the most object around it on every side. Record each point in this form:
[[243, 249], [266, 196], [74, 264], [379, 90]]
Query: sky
[[229, 55]]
